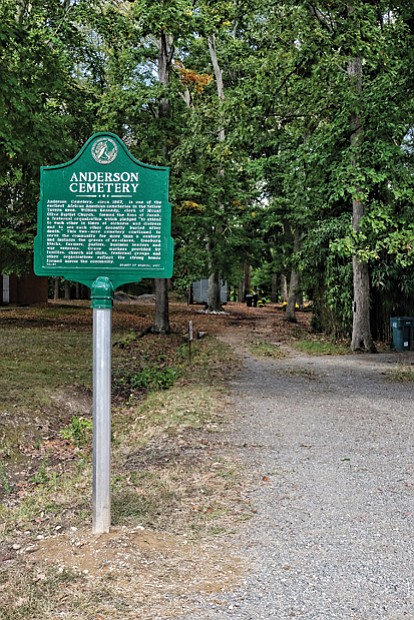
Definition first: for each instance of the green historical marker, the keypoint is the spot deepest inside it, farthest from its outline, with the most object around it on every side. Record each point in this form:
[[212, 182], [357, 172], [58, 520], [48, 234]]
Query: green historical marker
[[104, 214], [103, 220]]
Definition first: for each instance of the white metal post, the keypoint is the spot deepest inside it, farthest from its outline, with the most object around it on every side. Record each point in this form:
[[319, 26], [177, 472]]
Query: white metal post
[[102, 336]]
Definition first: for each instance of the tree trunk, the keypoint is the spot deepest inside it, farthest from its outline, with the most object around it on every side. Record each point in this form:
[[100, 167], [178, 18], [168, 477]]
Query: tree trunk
[[294, 283], [23, 9], [165, 53], [55, 289], [361, 327], [292, 297], [284, 287], [214, 300], [162, 313], [67, 290], [213, 295], [241, 293], [218, 74], [274, 293], [247, 279]]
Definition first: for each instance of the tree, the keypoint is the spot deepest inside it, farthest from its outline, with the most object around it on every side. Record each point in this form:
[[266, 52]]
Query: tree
[[361, 329], [45, 111], [143, 94], [165, 56], [222, 186], [338, 75]]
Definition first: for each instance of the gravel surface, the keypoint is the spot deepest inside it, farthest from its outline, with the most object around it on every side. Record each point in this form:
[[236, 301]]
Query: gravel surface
[[328, 445]]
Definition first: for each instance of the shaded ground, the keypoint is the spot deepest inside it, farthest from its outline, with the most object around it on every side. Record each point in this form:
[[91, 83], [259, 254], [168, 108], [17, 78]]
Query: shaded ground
[[158, 562], [272, 460]]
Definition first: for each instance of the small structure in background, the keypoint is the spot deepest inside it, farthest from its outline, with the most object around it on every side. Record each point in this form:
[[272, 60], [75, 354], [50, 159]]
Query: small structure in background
[[402, 328], [199, 292], [23, 291], [253, 300]]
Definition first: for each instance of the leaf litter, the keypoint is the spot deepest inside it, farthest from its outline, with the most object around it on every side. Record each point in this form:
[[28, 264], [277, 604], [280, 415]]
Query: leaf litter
[[151, 564]]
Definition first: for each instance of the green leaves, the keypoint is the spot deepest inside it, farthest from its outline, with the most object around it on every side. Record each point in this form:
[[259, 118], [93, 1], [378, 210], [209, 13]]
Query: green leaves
[[174, 17], [287, 160], [46, 109]]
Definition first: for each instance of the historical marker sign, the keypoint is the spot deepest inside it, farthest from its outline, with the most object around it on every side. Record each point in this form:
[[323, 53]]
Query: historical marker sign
[[103, 220], [104, 213]]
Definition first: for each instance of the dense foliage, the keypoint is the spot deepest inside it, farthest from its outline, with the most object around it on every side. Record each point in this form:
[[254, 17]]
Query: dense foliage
[[288, 128]]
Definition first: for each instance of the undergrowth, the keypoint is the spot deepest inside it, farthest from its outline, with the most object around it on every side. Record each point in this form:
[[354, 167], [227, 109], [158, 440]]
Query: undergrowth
[[318, 346], [402, 373]]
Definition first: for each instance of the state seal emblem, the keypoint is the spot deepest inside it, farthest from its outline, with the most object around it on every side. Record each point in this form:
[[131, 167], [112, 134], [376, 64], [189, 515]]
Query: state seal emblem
[[104, 150]]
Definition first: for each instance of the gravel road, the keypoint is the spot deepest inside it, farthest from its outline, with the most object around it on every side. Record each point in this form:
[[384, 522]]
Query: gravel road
[[328, 445]]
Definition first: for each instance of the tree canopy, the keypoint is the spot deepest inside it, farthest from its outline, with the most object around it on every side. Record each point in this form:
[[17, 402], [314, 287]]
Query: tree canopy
[[288, 128]]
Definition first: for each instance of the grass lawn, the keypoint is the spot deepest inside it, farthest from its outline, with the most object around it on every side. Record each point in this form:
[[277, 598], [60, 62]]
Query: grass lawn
[[166, 420]]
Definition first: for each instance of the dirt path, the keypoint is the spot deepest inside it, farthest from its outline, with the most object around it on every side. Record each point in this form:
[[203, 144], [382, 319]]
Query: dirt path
[[327, 443]]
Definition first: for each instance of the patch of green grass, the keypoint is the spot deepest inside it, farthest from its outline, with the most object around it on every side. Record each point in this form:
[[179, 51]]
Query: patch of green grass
[[401, 374], [155, 378], [320, 347], [36, 361], [36, 358], [78, 431], [266, 349], [41, 476], [145, 364]]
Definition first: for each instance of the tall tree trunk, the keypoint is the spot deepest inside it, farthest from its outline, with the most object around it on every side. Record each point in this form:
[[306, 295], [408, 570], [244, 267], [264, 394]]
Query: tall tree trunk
[[361, 327], [241, 291], [213, 295], [214, 301], [247, 279], [162, 312], [67, 294], [218, 74], [165, 54], [274, 293], [55, 289], [294, 282], [284, 287]]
